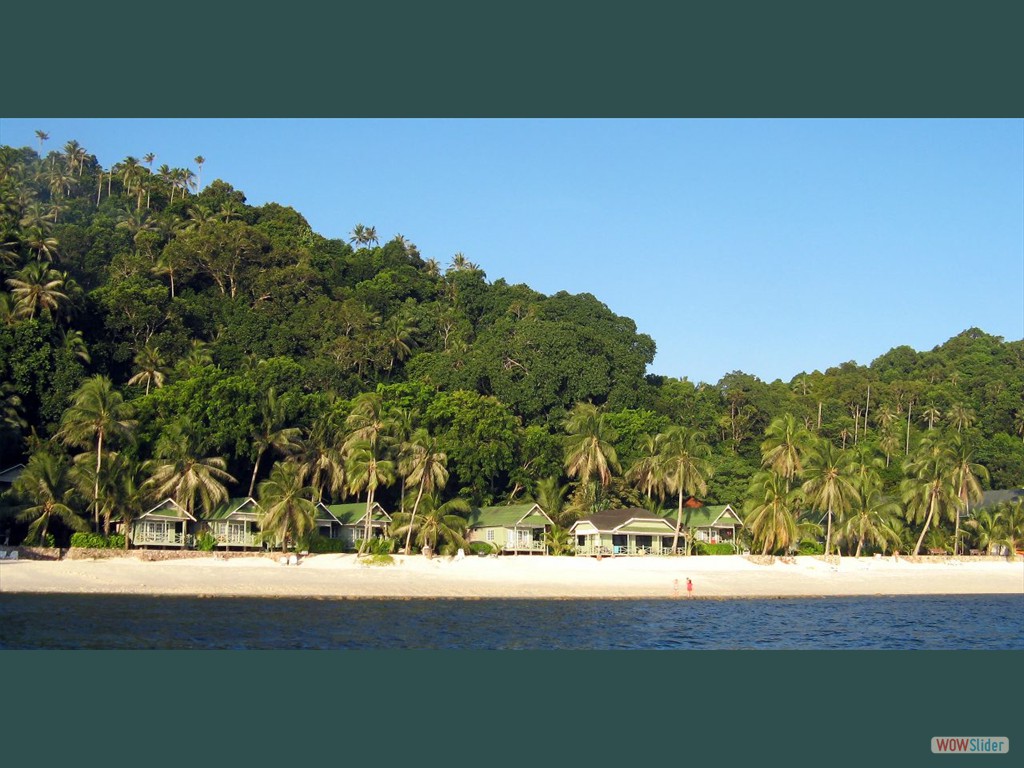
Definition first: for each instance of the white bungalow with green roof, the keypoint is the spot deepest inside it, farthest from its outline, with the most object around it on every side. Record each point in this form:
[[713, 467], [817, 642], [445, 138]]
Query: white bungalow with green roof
[[348, 521], [513, 529], [712, 525], [235, 523], [632, 531], [165, 525]]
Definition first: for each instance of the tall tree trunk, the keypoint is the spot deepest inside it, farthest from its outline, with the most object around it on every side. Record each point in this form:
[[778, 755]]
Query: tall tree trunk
[[910, 407], [927, 522], [679, 521], [867, 407], [828, 535], [255, 470], [96, 488], [415, 506]]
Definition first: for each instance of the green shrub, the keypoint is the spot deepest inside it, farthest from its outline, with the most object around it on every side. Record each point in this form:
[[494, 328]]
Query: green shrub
[[206, 542], [97, 541], [809, 547], [703, 548], [482, 548], [377, 546], [321, 545]]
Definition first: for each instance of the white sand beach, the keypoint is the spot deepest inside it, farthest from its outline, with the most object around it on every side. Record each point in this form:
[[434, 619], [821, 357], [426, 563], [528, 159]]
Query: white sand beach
[[346, 576]]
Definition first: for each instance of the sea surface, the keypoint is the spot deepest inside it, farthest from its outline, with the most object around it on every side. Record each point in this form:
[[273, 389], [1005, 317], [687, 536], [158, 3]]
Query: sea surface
[[117, 622]]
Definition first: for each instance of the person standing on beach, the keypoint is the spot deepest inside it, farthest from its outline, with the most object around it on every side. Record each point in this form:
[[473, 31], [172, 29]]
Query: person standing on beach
[[689, 588]]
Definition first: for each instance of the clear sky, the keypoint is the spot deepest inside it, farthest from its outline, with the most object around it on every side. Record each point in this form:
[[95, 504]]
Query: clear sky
[[761, 245]]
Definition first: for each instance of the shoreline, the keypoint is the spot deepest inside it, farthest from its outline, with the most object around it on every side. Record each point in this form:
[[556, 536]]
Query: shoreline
[[337, 576]]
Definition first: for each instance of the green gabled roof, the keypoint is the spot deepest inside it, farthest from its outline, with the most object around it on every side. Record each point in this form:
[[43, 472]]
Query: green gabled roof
[[703, 517], [168, 509], [10, 474], [509, 516], [350, 514], [232, 506]]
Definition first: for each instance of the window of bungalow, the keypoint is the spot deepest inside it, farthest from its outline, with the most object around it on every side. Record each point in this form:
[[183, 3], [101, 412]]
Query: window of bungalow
[[490, 534], [666, 542], [644, 541], [619, 540], [581, 541]]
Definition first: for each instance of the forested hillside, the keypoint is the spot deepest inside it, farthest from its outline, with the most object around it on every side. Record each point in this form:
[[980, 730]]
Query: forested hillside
[[149, 330]]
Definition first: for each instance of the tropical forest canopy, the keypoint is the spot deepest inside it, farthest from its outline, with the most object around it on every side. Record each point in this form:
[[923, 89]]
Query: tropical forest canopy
[[236, 334]]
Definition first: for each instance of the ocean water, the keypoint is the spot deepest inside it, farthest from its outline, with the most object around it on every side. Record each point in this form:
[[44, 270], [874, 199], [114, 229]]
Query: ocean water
[[116, 622]]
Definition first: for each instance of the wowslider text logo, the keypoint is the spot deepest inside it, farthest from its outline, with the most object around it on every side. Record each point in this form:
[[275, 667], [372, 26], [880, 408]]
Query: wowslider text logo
[[970, 745]]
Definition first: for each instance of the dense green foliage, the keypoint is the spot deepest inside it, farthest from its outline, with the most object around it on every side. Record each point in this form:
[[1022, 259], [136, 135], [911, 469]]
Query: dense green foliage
[[239, 340]]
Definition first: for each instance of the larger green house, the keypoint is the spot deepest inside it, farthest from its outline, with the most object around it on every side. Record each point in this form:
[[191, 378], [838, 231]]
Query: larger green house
[[636, 531], [165, 525], [348, 521], [513, 529], [235, 524]]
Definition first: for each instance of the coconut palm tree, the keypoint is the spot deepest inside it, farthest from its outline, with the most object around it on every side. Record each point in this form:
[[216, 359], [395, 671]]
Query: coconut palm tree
[[986, 528], [1011, 522], [827, 484], [550, 495], [321, 461], [785, 445], [870, 519], [39, 240], [42, 136], [931, 414], [770, 512], [589, 454], [97, 415], [686, 468], [271, 433], [183, 473], [968, 477], [286, 501], [368, 422], [150, 368], [367, 470], [199, 160], [37, 288], [930, 490], [646, 472], [46, 483], [442, 527], [425, 465], [960, 416]]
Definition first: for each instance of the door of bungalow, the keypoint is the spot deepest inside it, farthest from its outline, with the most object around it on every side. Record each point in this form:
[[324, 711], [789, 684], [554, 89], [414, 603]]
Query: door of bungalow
[[522, 538], [237, 530]]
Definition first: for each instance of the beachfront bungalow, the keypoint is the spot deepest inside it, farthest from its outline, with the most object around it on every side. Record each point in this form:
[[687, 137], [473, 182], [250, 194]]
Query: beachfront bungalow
[[348, 521], [711, 525], [514, 529], [165, 525], [632, 531], [235, 524]]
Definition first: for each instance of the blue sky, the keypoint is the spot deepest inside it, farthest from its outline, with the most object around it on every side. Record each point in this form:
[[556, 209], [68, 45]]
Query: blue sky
[[761, 245]]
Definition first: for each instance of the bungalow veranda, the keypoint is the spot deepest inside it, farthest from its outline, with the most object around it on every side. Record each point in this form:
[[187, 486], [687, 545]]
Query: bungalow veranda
[[513, 529], [165, 525]]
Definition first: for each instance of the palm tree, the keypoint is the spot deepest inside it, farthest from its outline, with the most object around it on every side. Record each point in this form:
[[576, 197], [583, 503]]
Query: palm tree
[[97, 414], [968, 477], [271, 433], [37, 288], [986, 527], [398, 337], [685, 463], [960, 416], [179, 471], [1011, 522], [288, 509], [589, 453], [871, 518], [827, 485], [785, 445], [770, 512], [199, 160], [42, 136], [931, 415], [363, 235], [47, 485], [442, 527], [321, 460], [646, 472], [368, 471], [550, 495], [424, 464], [930, 490], [150, 368], [367, 422], [39, 240]]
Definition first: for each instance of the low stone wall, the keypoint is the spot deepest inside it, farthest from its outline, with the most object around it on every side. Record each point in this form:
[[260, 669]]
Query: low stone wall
[[34, 553], [152, 555]]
